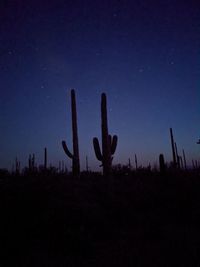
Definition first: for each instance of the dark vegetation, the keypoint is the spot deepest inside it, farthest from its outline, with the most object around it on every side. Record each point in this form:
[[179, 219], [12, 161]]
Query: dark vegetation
[[139, 218], [125, 217]]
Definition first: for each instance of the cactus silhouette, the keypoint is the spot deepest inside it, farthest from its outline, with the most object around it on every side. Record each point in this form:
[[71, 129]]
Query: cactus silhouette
[[129, 164], [31, 162], [136, 164], [177, 156], [75, 155], [45, 158], [162, 163], [17, 166], [109, 143], [181, 162], [173, 148]]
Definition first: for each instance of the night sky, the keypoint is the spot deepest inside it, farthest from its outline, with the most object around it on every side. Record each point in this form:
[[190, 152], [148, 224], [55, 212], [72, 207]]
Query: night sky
[[144, 54]]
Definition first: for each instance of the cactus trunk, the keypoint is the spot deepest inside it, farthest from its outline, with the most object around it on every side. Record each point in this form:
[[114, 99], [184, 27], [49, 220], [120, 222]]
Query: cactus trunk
[[76, 161], [106, 160], [75, 155]]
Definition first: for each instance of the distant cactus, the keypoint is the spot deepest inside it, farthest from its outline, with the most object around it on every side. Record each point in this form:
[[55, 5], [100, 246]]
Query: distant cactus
[[181, 162], [129, 164], [31, 162], [177, 156], [196, 164], [109, 143], [162, 163], [173, 149], [75, 155], [45, 158], [136, 163], [17, 166], [193, 164]]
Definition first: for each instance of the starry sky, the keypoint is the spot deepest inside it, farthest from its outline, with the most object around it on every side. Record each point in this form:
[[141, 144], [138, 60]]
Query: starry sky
[[144, 54]]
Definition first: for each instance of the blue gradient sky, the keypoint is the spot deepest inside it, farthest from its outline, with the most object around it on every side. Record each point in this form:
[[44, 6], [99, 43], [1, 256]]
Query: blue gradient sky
[[143, 54]]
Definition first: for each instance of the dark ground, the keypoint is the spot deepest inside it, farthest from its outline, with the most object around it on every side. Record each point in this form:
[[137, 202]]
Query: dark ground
[[137, 220]]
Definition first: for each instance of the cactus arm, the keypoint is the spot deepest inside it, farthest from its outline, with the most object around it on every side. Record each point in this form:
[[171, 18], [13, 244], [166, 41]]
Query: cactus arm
[[69, 154], [114, 144], [97, 149]]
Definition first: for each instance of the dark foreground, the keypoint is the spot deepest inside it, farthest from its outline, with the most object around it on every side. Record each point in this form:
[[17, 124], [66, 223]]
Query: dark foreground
[[141, 220]]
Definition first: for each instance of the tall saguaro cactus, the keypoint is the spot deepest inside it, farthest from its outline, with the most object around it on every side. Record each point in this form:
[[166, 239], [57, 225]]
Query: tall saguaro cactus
[[75, 155], [109, 143]]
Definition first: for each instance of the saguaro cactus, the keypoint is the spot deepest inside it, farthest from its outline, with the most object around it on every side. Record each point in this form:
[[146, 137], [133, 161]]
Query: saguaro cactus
[[75, 155], [109, 143], [173, 148]]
